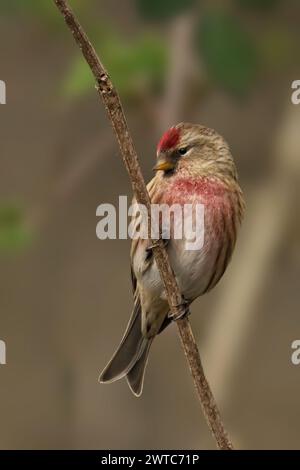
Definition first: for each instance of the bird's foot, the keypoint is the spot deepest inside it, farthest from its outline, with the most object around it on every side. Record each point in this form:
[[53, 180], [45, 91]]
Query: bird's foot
[[154, 244], [183, 308]]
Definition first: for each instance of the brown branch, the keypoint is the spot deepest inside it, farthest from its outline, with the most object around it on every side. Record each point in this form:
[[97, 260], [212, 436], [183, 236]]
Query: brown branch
[[116, 115]]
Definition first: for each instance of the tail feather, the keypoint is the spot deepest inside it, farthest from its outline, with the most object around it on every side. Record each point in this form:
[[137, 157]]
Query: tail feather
[[135, 376], [130, 350]]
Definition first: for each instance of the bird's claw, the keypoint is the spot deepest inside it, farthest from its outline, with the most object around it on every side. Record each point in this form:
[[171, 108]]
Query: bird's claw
[[184, 311], [156, 243]]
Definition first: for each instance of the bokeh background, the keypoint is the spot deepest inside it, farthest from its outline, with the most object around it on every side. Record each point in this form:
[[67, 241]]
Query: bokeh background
[[66, 296]]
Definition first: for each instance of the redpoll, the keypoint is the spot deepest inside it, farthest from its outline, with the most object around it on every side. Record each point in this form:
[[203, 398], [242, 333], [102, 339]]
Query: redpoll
[[194, 166]]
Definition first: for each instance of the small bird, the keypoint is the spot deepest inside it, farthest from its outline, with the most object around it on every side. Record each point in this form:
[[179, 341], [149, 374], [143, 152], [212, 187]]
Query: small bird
[[194, 166]]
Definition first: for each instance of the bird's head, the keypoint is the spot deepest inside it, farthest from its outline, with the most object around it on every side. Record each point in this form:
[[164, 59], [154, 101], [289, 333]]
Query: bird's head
[[194, 150]]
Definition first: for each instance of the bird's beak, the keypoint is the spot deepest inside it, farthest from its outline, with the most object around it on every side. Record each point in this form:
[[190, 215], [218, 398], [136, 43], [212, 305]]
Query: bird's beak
[[164, 164]]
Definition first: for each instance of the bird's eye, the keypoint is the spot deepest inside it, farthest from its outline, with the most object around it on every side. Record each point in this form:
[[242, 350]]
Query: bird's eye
[[183, 150]]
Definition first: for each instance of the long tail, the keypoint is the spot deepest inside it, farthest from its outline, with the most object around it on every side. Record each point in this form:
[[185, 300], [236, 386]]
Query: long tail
[[130, 359]]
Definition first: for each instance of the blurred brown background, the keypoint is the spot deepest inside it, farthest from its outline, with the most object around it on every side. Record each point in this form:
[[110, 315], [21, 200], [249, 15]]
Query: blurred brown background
[[66, 296]]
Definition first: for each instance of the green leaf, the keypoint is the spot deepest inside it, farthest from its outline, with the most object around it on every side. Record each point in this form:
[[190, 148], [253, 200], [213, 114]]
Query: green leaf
[[162, 9], [13, 234], [228, 52], [133, 67]]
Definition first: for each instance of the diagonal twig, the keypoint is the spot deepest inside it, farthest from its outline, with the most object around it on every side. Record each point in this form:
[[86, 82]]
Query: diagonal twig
[[115, 112]]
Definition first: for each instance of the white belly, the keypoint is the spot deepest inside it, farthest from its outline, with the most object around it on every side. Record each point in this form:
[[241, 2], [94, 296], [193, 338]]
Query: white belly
[[193, 267]]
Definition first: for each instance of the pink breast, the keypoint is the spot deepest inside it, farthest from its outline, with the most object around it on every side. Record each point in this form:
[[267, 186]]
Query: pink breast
[[182, 190], [216, 198]]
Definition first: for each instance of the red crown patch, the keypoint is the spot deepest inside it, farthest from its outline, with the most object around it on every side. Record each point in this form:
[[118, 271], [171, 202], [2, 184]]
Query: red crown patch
[[169, 140]]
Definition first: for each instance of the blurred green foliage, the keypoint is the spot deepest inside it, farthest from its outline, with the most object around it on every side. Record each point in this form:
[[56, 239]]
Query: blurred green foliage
[[261, 4], [45, 10], [162, 9], [40, 7], [228, 51], [134, 67], [276, 47], [13, 233], [232, 56]]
